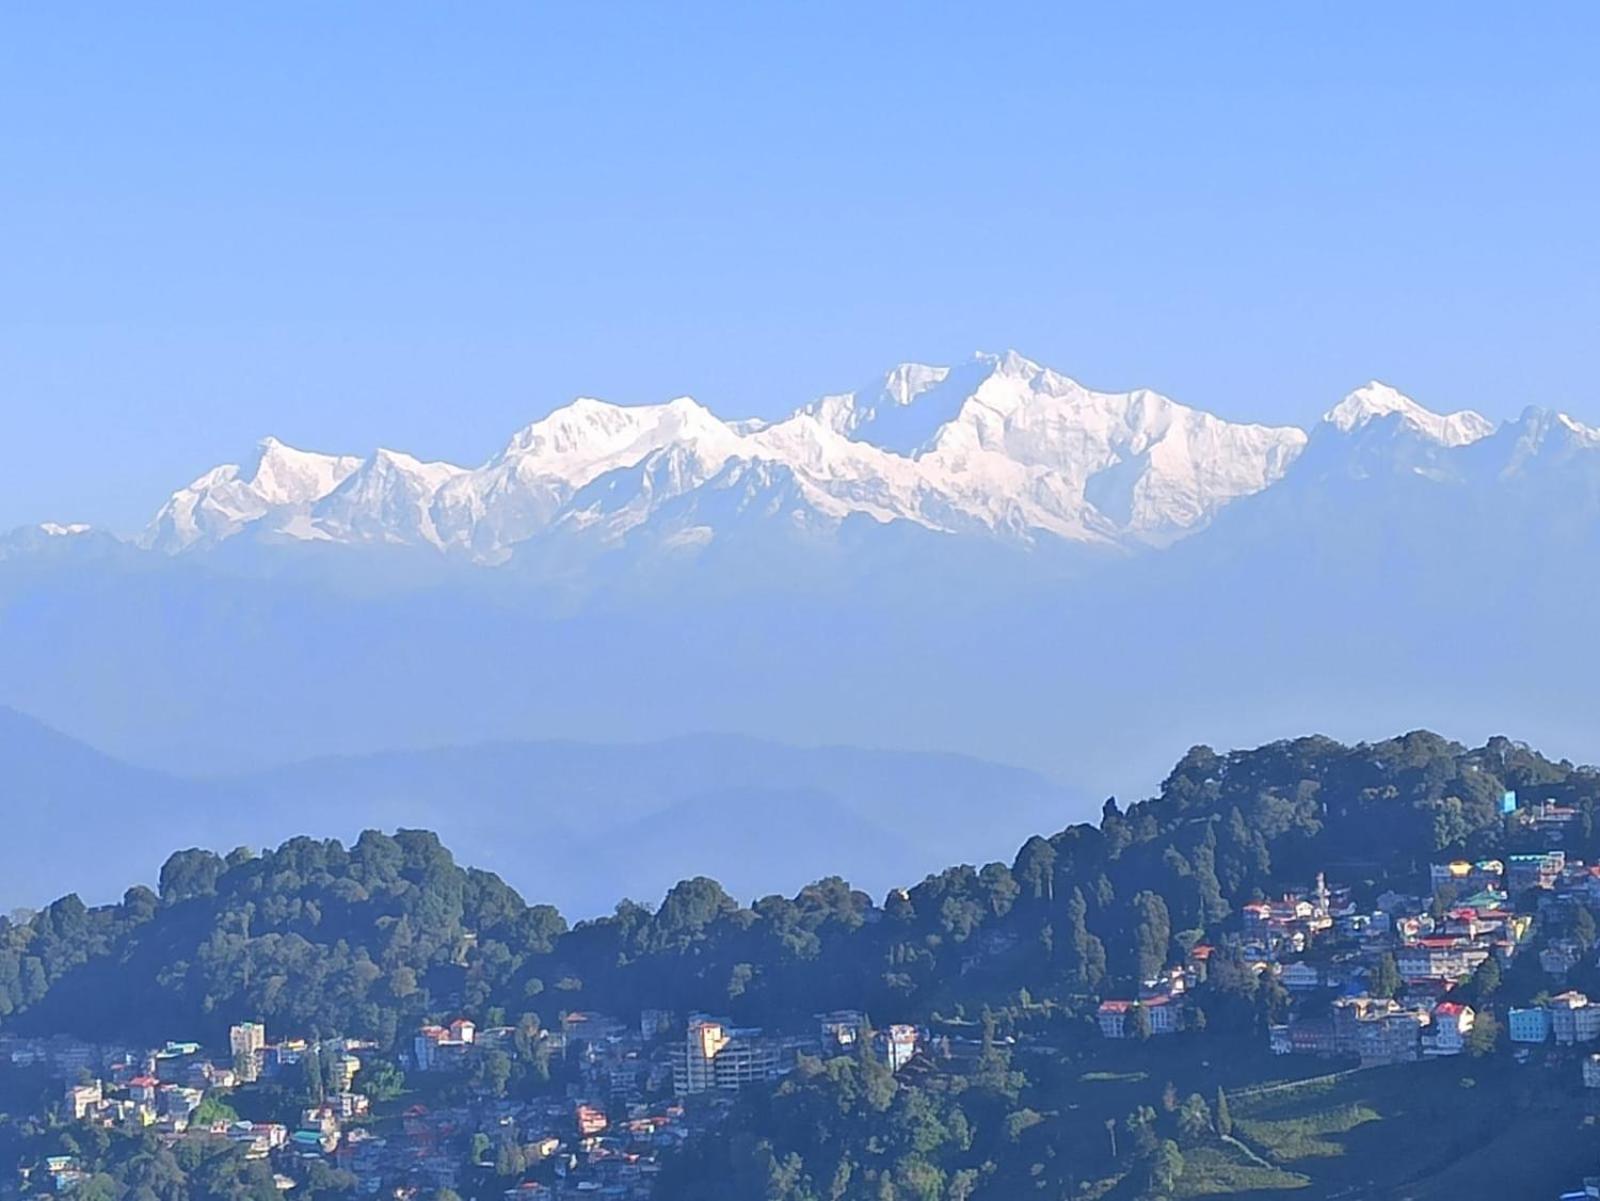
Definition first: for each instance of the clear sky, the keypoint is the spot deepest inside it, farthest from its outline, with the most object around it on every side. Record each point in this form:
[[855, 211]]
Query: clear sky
[[423, 226]]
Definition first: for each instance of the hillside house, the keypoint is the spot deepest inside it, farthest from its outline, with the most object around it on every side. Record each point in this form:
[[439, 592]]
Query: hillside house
[[1452, 1022]]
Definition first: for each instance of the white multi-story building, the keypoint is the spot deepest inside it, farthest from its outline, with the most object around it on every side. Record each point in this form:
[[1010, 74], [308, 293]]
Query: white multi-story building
[[897, 1045], [713, 1056], [247, 1041], [842, 1027], [1452, 1022]]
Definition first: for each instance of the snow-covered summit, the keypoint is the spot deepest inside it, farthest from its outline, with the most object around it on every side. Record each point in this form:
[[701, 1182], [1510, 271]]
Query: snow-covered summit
[[588, 437], [1375, 401], [228, 499]]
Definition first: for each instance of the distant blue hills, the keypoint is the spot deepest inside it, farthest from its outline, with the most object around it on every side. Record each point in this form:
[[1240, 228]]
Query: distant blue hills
[[577, 825]]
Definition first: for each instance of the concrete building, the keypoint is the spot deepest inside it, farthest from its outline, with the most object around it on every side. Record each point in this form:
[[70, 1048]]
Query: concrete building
[[712, 1056], [896, 1045], [1573, 1019], [247, 1042], [1452, 1022], [1531, 1025]]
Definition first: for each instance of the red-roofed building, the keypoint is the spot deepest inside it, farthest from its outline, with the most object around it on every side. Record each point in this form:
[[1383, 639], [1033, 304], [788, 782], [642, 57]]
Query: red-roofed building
[[1164, 1015], [1113, 1018], [1452, 1022]]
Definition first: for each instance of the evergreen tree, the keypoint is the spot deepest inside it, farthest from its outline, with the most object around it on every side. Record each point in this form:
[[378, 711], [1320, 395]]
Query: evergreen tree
[[1583, 928], [1486, 980], [1483, 1036], [1385, 976], [1152, 935], [1139, 1023], [313, 1082]]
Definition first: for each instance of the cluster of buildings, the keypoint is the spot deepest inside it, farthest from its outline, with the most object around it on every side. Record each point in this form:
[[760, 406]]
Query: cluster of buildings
[[1379, 1030], [1334, 956], [446, 1048], [1434, 943], [1475, 912], [1161, 1013], [1568, 1019], [633, 1091], [705, 1055], [163, 1088]]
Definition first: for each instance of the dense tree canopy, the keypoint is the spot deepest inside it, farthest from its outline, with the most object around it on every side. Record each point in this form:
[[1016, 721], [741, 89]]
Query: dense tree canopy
[[365, 940]]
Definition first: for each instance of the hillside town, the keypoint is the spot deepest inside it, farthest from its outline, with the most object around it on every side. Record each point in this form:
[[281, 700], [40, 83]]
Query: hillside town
[[1383, 983], [624, 1094], [1411, 976], [1458, 957]]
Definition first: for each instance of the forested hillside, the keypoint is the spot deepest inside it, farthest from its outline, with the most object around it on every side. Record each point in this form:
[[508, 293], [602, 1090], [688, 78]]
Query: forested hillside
[[364, 939], [1007, 961]]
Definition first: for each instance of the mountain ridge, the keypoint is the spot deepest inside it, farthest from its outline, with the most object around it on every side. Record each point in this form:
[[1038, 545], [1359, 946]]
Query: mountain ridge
[[1000, 445], [997, 447]]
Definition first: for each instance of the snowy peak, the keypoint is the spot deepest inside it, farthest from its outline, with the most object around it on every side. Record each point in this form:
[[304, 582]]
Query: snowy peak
[[903, 410], [1541, 441], [588, 437], [908, 381], [1130, 467], [1544, 426], [55, 538], [283, 475], [227, 499], [388, 499], [522, 491], [1376, 401]]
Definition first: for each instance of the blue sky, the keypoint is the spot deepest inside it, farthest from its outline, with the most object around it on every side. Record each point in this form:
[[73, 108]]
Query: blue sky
[[424, 225]]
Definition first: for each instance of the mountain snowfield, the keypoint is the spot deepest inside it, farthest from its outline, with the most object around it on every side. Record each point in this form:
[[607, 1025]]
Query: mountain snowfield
[[999, 446], [1375, 401]]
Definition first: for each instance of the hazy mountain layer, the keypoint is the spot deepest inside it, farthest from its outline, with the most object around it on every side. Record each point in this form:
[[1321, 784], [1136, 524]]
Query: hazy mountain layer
[[575, 825]]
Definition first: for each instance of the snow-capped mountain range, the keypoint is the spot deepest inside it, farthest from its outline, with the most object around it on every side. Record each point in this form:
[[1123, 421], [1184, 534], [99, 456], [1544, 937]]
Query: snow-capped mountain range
[[987, 557], [999, 446]]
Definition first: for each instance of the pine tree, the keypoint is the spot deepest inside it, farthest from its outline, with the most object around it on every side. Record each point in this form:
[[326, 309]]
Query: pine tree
[[1139, 1023], [1076, 942], [1385, 977], [1583, 928], [1152, 934], [1213, 906], [311, 1072]]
